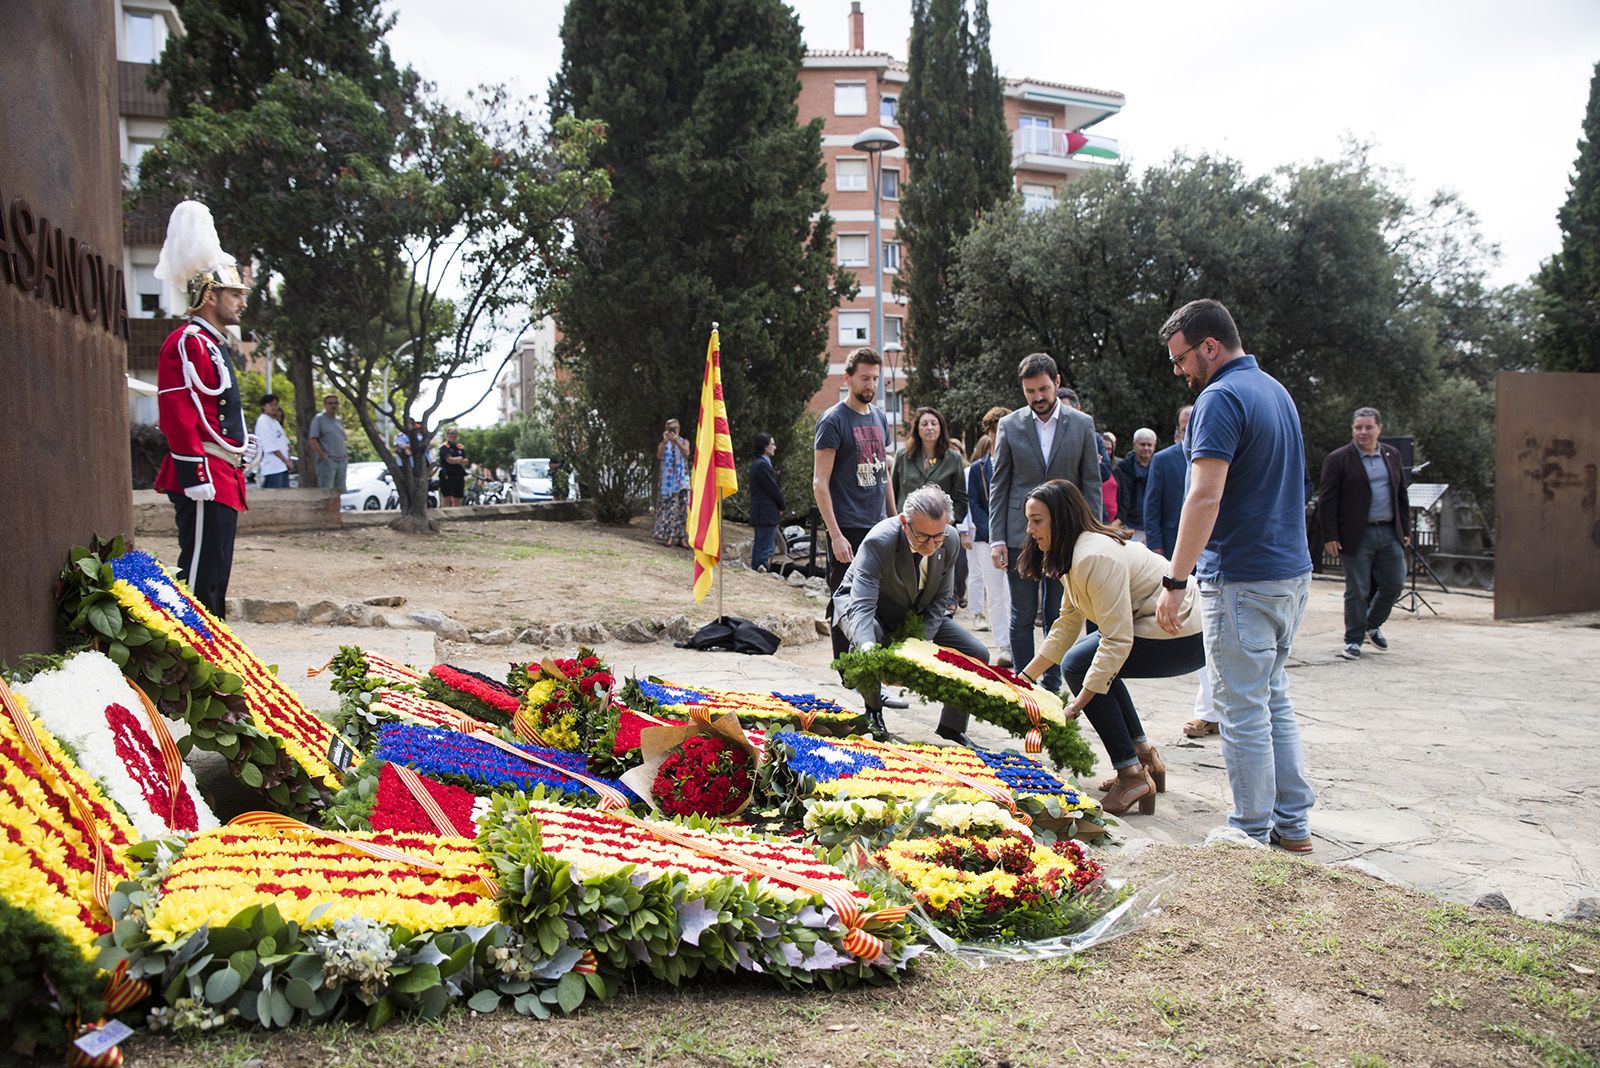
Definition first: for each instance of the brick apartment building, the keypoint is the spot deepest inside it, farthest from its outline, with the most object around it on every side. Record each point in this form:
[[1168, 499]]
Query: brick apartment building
[[853, 89]]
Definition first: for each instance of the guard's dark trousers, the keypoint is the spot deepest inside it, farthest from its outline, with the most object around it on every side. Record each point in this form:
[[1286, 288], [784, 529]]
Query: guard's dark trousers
[[205, 549]]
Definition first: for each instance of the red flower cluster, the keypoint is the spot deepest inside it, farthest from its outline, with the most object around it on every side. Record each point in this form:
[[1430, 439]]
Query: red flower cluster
[[704, 776], [630, 725], [143, 761], [479, 686], [588, 673], [988, 671], [396, 810]]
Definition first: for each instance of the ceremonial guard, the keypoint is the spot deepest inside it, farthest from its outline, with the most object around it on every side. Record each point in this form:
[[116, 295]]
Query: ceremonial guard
[[201, 415]]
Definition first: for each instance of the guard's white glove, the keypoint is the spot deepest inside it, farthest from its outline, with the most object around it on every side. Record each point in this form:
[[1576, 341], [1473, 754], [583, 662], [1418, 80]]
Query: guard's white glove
[[205, 491], [866, 647], [252, 449]]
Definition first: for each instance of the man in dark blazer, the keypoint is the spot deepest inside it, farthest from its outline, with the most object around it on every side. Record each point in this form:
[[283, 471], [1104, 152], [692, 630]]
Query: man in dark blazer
[[1045, 440], [1366, 519], [766, 502], [906, 564], [1163, 495]]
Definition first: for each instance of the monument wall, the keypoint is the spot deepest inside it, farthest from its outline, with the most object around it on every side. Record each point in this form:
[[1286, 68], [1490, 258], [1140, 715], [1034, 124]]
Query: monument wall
[[64, 462]]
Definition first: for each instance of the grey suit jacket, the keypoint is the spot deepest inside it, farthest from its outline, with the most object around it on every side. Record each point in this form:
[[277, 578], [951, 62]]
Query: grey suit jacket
[[1019, 466], [880, 589]]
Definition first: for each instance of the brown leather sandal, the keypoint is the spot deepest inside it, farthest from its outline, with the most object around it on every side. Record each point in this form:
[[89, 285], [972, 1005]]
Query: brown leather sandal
[[1199, 728], [1153, 764]]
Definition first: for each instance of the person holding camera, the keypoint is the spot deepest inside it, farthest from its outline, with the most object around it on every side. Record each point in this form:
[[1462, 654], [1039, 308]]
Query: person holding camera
[[672, 500]]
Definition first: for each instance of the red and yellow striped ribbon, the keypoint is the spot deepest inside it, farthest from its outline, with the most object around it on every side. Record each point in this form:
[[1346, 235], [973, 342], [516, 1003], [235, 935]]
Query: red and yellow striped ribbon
[[272, 821], [1034, 741], [858, 941], [610, 796], [91, 829], [170, 757], [425, 800]]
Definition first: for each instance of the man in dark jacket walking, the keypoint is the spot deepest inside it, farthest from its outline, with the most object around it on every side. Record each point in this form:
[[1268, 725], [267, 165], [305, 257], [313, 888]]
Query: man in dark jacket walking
[[766, 502], [1366, 520]]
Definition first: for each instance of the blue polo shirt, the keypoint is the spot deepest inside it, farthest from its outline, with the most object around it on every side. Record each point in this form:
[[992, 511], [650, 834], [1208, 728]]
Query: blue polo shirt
[[1246, 417]]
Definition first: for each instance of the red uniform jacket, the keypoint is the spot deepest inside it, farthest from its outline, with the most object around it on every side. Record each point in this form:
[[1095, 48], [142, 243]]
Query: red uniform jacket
[[197, 408]]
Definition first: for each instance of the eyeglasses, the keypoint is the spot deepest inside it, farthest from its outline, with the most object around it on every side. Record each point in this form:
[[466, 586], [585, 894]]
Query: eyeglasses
[[1176, 360], [919, 538]]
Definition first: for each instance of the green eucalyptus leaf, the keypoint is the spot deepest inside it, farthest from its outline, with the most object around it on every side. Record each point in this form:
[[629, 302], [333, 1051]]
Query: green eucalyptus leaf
[[570, 991], [223, 984], [485, 1001], [419, 978]]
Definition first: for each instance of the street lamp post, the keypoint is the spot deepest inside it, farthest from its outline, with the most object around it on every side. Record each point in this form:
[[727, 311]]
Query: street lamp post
[[875, 141]]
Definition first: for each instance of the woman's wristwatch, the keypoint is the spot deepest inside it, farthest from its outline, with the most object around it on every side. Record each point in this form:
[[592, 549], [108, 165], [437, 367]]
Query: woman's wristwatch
[[1174, 583]]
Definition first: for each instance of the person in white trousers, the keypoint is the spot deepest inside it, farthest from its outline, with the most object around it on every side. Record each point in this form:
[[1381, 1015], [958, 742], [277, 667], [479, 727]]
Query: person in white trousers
[[988, 593]]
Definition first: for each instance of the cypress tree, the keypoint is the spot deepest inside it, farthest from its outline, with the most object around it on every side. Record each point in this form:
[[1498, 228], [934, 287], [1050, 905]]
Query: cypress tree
[[958, 154], [1569, 334], [715, 185]]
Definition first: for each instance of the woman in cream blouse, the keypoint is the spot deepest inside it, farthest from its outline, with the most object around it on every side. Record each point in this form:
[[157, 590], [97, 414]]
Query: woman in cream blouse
[[1113, 583]]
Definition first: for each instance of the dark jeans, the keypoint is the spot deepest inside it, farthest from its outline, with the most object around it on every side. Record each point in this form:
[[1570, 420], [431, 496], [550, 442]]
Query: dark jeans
[[761, 548], [1112, 712], [207, 577], [1374, 578], [951, 635], [1024, 606], [278, 480], [836, 570]]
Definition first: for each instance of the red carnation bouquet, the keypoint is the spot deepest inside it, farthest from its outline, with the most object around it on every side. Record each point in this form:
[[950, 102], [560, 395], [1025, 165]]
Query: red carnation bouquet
[[701, 768], [705, 776]]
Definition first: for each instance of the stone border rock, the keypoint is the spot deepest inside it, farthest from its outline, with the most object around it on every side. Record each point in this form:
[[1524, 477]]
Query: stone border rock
[[389, 612]]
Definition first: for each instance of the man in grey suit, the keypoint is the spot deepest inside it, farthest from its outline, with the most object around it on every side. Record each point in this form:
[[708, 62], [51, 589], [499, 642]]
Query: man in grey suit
[[906, 564], [1045, 440]]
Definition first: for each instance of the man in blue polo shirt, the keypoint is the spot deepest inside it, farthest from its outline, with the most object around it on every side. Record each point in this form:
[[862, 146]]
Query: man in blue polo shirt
[[1243, 534]]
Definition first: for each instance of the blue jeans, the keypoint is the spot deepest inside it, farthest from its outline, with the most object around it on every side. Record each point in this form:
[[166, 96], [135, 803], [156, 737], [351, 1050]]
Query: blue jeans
[[1024, 606], [1248, 628], [1112, 713], [761, 549], [1374, 577], [276, 480]]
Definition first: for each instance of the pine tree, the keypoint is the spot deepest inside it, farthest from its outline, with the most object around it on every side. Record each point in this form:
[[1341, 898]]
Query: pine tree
[[1569, 334], [958, 155], [715, 185]]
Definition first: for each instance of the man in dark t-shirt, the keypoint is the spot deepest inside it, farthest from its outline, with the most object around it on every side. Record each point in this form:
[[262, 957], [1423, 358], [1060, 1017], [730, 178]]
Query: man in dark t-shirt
[[452, 469], [850, 472]]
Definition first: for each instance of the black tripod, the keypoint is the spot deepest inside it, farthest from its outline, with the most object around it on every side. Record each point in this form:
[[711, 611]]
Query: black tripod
[[1413, 597]]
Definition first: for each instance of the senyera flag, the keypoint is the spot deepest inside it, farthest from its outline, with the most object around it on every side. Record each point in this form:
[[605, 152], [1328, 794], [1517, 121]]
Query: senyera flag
[[714, 473]]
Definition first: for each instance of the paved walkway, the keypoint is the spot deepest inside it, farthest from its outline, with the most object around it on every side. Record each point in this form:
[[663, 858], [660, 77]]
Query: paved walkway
[[1460, 762]]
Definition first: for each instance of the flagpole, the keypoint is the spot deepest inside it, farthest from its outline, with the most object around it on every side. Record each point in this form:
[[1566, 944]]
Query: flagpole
[[717, 578]]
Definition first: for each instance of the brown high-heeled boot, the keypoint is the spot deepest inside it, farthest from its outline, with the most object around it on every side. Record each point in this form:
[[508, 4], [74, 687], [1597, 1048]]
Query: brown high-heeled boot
[[1133, 786]]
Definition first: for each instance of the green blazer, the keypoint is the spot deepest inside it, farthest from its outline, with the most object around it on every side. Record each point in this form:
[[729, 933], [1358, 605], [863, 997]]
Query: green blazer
[[949, 474]]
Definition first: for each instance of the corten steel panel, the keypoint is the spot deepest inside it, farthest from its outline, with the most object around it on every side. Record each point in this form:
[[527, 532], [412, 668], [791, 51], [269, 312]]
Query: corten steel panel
[[63, 395], [1547, 473]]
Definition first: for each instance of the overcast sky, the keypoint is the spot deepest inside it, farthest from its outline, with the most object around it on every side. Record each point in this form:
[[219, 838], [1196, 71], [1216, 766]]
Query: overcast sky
[[1485, 97]]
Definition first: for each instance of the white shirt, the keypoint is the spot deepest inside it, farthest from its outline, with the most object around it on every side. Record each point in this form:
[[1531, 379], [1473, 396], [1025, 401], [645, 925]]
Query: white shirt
[[273, 440], [1046, 429]]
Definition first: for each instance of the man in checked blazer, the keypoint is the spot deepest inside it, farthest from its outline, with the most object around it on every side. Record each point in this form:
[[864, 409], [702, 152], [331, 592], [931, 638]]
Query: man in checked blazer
[[1043, 441], [906, 565]]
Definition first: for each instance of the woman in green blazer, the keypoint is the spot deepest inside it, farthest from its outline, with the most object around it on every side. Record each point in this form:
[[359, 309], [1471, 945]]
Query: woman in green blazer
[[928, 459]]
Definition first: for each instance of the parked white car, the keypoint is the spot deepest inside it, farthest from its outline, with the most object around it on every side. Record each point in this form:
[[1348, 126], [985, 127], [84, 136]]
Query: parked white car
[[532, 477], [368, 487]]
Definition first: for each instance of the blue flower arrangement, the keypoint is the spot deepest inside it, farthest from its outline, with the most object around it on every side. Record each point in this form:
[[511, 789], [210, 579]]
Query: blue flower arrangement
[[144, 573], [820, 761], [455, 757]]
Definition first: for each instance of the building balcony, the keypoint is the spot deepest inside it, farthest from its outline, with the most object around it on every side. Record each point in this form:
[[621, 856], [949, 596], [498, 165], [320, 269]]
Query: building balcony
[[1050, 148], [135, 98]]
